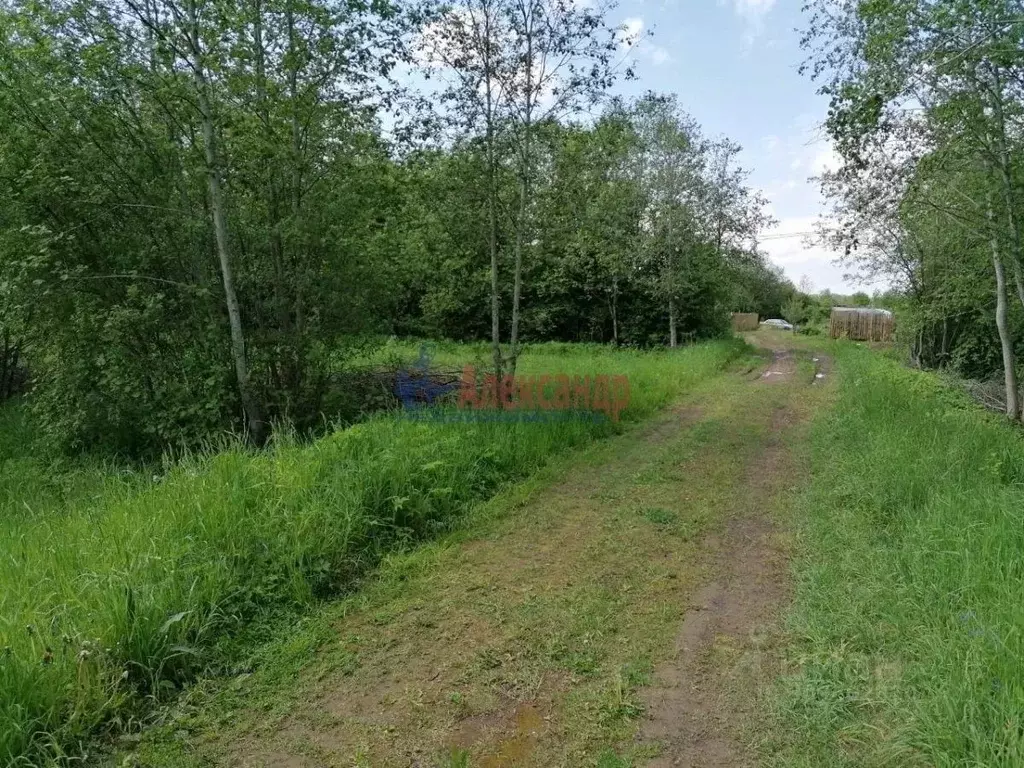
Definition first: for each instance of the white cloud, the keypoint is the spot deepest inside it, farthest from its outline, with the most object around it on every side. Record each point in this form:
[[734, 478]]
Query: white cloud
[[783, 185], [783, 164], [752, 11], [635, 37], [795, 158], [785, 244], [648, 51], [658, 54], [825, 159], [799, 255]]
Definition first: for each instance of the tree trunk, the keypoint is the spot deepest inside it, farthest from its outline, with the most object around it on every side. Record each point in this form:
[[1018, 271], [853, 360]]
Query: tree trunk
[[492, 205], [1006, 179], [1005, 338], [615, 310], [672, 340], [253, 414], [13, 383], [273, 211], [944, 345], [296, 197], [517, 280], [493, 247], [522, 228], [1003, 167], [5, 378], [289, 374], [1019, 283]]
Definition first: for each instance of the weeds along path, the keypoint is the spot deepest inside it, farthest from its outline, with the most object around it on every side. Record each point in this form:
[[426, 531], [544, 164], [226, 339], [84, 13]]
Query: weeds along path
[[615, 611]]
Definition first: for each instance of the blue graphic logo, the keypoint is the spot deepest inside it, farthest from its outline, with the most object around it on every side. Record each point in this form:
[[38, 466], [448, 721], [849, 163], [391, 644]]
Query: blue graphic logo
[[415, 388]]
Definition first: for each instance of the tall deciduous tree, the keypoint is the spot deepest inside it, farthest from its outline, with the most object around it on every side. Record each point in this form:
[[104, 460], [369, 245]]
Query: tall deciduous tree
[[952, 71], [514, 64]]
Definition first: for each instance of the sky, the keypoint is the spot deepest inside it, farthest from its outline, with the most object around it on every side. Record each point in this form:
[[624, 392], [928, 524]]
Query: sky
[[734, 66]]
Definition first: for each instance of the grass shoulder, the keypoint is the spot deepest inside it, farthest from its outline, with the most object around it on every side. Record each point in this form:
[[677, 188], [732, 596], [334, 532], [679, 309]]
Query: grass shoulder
[[906, 625]]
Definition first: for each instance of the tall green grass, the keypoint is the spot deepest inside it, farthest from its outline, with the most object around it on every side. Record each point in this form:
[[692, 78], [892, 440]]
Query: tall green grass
[[35, 483], [125, 593], [910, 598]]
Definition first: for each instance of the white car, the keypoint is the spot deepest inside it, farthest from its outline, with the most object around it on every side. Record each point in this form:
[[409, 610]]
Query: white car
[[782, 325]]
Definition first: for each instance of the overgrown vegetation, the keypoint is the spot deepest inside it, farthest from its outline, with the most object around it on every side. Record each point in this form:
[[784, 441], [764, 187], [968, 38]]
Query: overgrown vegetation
[[200, 205], [126, 591], [926, 113], [212, 214], [544, 618], [908, 610]]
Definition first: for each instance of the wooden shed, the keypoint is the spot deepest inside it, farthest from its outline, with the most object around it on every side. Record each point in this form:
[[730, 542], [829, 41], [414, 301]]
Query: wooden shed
[[861, 324], [744, 321]]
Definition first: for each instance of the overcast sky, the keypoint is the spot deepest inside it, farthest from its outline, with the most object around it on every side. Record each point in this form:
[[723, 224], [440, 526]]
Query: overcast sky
[[733, 64]]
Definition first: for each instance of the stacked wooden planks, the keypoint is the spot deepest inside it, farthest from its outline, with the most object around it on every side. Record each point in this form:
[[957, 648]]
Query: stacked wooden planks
[[861, 324]]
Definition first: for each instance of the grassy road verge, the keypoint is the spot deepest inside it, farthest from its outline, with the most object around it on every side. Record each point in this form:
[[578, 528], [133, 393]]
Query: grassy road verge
[[909, 617]]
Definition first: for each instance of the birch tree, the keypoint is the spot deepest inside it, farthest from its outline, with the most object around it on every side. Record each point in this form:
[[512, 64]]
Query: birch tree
[[510, 65], [671, 156]]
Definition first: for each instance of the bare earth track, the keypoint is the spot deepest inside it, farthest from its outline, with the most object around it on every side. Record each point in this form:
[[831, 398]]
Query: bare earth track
[[693, 708], [621, 610]]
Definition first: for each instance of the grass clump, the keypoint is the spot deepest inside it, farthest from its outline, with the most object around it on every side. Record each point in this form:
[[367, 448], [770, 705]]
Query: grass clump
[[129, 590], [910, 580], [660, 516]]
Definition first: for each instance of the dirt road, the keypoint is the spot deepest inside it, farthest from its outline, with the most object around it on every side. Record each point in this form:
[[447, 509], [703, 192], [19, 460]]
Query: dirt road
[[619, 610]]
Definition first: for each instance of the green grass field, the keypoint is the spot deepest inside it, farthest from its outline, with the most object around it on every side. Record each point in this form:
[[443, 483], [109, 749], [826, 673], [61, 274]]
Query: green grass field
[[910, 584], [118, 587], [903, 644]]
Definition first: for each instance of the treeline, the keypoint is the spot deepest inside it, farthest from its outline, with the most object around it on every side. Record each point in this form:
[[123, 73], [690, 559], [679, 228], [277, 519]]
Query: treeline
[[202, 204], [927, 111]]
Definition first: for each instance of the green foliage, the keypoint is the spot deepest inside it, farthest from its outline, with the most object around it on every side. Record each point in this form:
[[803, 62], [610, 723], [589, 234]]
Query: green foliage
[[908, 582], [608, 759], [596, 273], [860, 299], [108, 276], [660, 516], [929, 200], [112, 276], [807, 309], [796, 310]]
